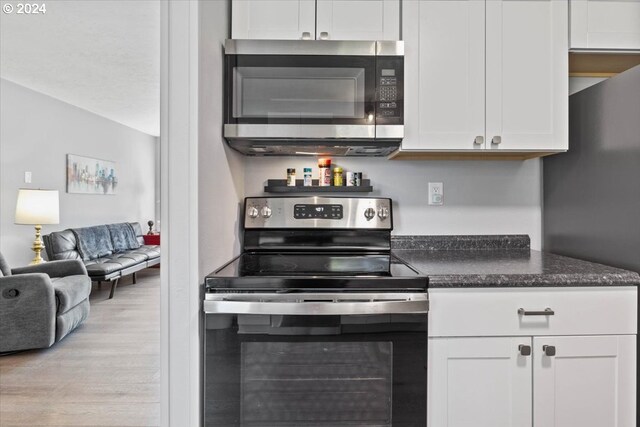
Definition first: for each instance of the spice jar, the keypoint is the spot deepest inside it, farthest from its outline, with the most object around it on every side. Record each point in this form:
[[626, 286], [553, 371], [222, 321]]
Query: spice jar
[[308, 179], [338, 180], [357, 178], [291, 177], [350, 179], [354, 179], [324, 166]]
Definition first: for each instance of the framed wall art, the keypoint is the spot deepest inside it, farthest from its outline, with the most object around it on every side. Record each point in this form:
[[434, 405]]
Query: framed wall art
[[86, 175]]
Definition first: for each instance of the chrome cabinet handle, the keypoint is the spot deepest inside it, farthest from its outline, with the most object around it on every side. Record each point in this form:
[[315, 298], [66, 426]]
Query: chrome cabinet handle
[[549, 350], [525, 350], [324, 35], [496, 140], [306, 35], [479, 140], [546, 312]]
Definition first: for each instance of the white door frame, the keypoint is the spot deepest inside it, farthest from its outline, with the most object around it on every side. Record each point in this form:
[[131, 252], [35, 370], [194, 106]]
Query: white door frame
[[180, 291]]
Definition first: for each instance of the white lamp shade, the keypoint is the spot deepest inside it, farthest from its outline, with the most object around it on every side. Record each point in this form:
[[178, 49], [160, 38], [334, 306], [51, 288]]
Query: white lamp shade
[[37, 207]]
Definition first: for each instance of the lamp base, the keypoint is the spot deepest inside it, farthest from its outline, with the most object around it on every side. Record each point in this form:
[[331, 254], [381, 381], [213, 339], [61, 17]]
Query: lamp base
[[38, 246]]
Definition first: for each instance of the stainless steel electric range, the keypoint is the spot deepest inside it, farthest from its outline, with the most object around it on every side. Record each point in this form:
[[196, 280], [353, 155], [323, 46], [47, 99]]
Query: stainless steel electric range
[[316, 323]]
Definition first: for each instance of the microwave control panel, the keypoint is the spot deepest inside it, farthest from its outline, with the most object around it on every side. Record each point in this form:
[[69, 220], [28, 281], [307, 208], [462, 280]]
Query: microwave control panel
[[390, 73]]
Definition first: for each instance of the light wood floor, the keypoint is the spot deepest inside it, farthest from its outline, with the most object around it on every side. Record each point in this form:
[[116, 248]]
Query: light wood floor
[[105, 373]]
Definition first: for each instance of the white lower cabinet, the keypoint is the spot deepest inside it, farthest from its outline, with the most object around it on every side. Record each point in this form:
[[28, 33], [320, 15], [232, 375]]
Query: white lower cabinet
[[479, 382], [588, 382], [532, 357], [540, 381]]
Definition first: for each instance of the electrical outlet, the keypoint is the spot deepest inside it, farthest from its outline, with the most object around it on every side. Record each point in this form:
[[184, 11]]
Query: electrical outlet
[[27, 177], [436, 194]]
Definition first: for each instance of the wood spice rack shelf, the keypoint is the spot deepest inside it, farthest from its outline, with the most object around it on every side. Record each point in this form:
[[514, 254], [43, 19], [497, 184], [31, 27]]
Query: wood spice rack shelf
[[280, 186]]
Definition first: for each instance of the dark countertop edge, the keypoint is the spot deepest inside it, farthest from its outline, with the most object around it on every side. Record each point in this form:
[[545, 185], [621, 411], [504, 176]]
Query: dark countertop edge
[[533, 281], [460, 242]]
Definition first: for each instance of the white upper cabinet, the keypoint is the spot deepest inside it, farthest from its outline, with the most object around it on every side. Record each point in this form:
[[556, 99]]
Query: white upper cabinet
[[527, 75], [444, 74], [486, 75], [273, 19], [308, 19], [358, 20], [605, 24], [584, 381]]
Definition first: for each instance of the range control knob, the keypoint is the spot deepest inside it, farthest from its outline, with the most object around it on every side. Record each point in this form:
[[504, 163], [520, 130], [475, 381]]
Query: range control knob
[[383, 213], [369, 213], [265, 212], [252, 212]]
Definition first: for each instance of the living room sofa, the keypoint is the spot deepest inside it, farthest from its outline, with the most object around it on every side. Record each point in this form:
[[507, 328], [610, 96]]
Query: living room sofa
[[110, 258], [41, 304]]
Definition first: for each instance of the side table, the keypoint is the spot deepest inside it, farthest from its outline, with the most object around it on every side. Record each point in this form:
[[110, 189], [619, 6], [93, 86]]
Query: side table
[[151, 239]]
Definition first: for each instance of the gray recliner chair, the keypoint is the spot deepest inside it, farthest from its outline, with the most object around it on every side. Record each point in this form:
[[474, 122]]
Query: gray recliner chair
[[41, 304]]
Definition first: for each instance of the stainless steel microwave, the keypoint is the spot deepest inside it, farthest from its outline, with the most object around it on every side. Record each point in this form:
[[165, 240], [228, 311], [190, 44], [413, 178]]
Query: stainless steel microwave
[[323, 97]]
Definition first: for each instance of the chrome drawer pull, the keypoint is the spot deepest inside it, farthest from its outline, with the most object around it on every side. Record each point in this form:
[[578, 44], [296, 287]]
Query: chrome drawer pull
[[547, 312]]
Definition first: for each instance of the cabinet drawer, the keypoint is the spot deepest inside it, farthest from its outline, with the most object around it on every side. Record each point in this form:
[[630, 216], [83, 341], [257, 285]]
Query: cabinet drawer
[[494, 312]]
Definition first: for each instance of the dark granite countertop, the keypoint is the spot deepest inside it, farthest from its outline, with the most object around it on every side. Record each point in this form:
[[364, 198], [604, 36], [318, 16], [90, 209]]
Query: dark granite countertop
[[487, 263]]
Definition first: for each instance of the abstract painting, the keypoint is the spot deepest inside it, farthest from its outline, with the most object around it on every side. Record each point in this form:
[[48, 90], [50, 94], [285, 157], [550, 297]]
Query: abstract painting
[[87, 175]]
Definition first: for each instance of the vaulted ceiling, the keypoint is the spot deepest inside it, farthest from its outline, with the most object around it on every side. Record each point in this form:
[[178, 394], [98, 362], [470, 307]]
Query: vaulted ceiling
[[99, 55]]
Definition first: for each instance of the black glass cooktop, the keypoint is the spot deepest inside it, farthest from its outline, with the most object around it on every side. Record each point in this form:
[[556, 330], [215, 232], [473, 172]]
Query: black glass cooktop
[[317, 271]]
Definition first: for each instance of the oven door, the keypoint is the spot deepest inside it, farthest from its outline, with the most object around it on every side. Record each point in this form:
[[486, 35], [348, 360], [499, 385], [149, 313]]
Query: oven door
[[321, 360]]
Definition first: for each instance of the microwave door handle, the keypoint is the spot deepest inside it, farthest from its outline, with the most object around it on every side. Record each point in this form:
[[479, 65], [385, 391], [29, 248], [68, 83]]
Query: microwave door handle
[[315, 308]]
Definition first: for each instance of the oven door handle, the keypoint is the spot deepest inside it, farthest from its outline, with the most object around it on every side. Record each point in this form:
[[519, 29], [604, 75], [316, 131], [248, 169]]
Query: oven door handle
[[316, 308]]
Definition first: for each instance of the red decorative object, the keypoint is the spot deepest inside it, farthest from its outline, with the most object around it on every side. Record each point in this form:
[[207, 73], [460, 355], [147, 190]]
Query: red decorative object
[[151, 239]]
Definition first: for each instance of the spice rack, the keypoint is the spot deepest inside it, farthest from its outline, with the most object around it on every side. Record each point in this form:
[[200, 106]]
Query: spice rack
[[280, 186]]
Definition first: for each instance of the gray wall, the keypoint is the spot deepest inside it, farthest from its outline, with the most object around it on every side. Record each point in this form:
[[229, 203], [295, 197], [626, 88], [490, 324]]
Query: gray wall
[[592, 193], [576, 84], [37, 133], [481, 197], [220, 169]]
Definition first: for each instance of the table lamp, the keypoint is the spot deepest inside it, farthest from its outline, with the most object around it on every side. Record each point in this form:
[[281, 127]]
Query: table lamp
[[37, 207]]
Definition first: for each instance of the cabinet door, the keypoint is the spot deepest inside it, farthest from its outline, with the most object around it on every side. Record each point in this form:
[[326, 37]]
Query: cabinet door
[[444, 74], [527, 75], [480, 382], [358, 19], [589, 382], [273, 19], [602, 24]]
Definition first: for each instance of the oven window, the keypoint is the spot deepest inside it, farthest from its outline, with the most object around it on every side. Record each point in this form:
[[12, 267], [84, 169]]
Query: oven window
[[298, 92], [316, 383]]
